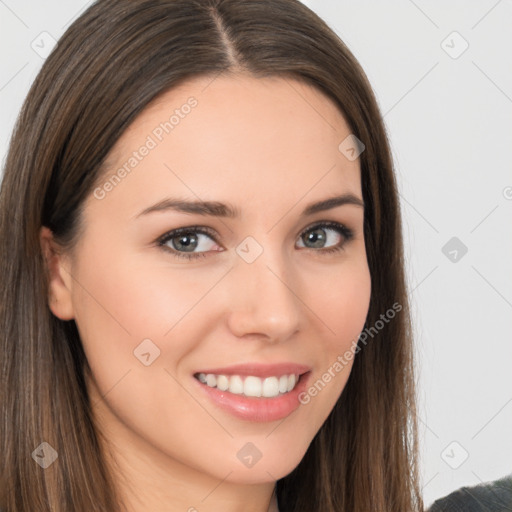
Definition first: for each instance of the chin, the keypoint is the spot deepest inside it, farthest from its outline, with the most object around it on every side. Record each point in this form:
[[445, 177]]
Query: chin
[[275, 467]]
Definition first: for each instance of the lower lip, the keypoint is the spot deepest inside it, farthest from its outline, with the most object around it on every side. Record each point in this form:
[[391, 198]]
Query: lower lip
[[257, 408]]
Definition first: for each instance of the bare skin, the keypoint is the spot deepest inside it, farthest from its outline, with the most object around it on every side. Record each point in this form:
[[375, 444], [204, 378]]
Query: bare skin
[[269, 147]]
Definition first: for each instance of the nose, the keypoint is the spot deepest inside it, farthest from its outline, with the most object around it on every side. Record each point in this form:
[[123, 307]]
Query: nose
[[263, 300]]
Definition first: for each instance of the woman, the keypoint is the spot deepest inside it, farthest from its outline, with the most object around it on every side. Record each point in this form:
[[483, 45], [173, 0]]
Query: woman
[[204, 304]]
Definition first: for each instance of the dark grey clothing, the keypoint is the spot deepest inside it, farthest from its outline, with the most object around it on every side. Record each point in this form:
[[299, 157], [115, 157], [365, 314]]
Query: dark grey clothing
[[487, 497]]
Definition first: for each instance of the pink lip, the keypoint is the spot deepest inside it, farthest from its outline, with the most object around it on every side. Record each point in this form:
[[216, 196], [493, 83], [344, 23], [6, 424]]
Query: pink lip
[[259, 370], [258, 409]]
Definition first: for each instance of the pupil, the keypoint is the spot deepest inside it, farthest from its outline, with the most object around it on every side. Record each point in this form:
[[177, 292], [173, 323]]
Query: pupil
[[184, 244], [315, 237]]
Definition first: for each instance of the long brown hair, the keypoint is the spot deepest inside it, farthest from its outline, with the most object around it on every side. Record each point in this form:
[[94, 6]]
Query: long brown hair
[[111, 62]]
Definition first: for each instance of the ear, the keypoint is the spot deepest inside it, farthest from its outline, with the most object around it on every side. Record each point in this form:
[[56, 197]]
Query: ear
[[60, 281]]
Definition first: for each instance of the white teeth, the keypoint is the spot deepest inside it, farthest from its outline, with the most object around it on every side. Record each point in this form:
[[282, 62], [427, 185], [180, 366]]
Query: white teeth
[[283, 384], [268, 387], [222, 382], [252, 386], [236, 385]]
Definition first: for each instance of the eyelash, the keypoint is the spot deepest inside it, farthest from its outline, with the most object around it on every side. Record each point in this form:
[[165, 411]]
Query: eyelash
[[346, 232]]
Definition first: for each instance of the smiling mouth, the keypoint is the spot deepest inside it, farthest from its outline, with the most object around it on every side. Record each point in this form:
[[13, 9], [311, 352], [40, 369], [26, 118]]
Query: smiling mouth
[[250, 385]]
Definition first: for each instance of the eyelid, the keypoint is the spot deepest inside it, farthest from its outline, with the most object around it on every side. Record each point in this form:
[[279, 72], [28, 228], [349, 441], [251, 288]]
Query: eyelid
[[195, 229], [339, 226]]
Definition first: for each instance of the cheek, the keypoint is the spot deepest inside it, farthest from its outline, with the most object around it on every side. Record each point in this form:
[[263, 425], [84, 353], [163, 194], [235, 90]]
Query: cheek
[[122, 302], [343, 303], [342, 309], [131, 299]]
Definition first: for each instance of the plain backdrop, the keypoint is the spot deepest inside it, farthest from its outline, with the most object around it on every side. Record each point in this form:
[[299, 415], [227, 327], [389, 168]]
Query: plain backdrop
[[442, 73]]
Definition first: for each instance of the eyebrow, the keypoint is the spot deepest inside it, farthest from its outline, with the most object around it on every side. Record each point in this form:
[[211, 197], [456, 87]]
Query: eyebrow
[[218, 209]]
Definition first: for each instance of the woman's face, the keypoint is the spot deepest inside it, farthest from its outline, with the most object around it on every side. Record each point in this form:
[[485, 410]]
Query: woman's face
[[268, 292]]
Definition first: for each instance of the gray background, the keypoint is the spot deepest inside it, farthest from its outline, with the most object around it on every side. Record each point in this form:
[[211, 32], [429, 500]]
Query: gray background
[[449, 119]]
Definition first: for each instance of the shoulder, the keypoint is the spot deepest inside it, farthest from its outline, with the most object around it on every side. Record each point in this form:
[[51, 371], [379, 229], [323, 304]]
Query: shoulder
[[493, 496]]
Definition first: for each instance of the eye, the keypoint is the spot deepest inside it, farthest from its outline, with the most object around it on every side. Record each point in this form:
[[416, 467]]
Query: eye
[[188, 240], [196, 242], [322, 233]]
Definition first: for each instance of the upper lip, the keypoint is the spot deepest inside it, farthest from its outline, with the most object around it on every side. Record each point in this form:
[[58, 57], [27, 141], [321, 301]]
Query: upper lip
[[259, 370]]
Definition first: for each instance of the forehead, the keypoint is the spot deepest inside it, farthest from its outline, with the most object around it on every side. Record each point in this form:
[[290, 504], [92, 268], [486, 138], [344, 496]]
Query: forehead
[[213, 137]]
